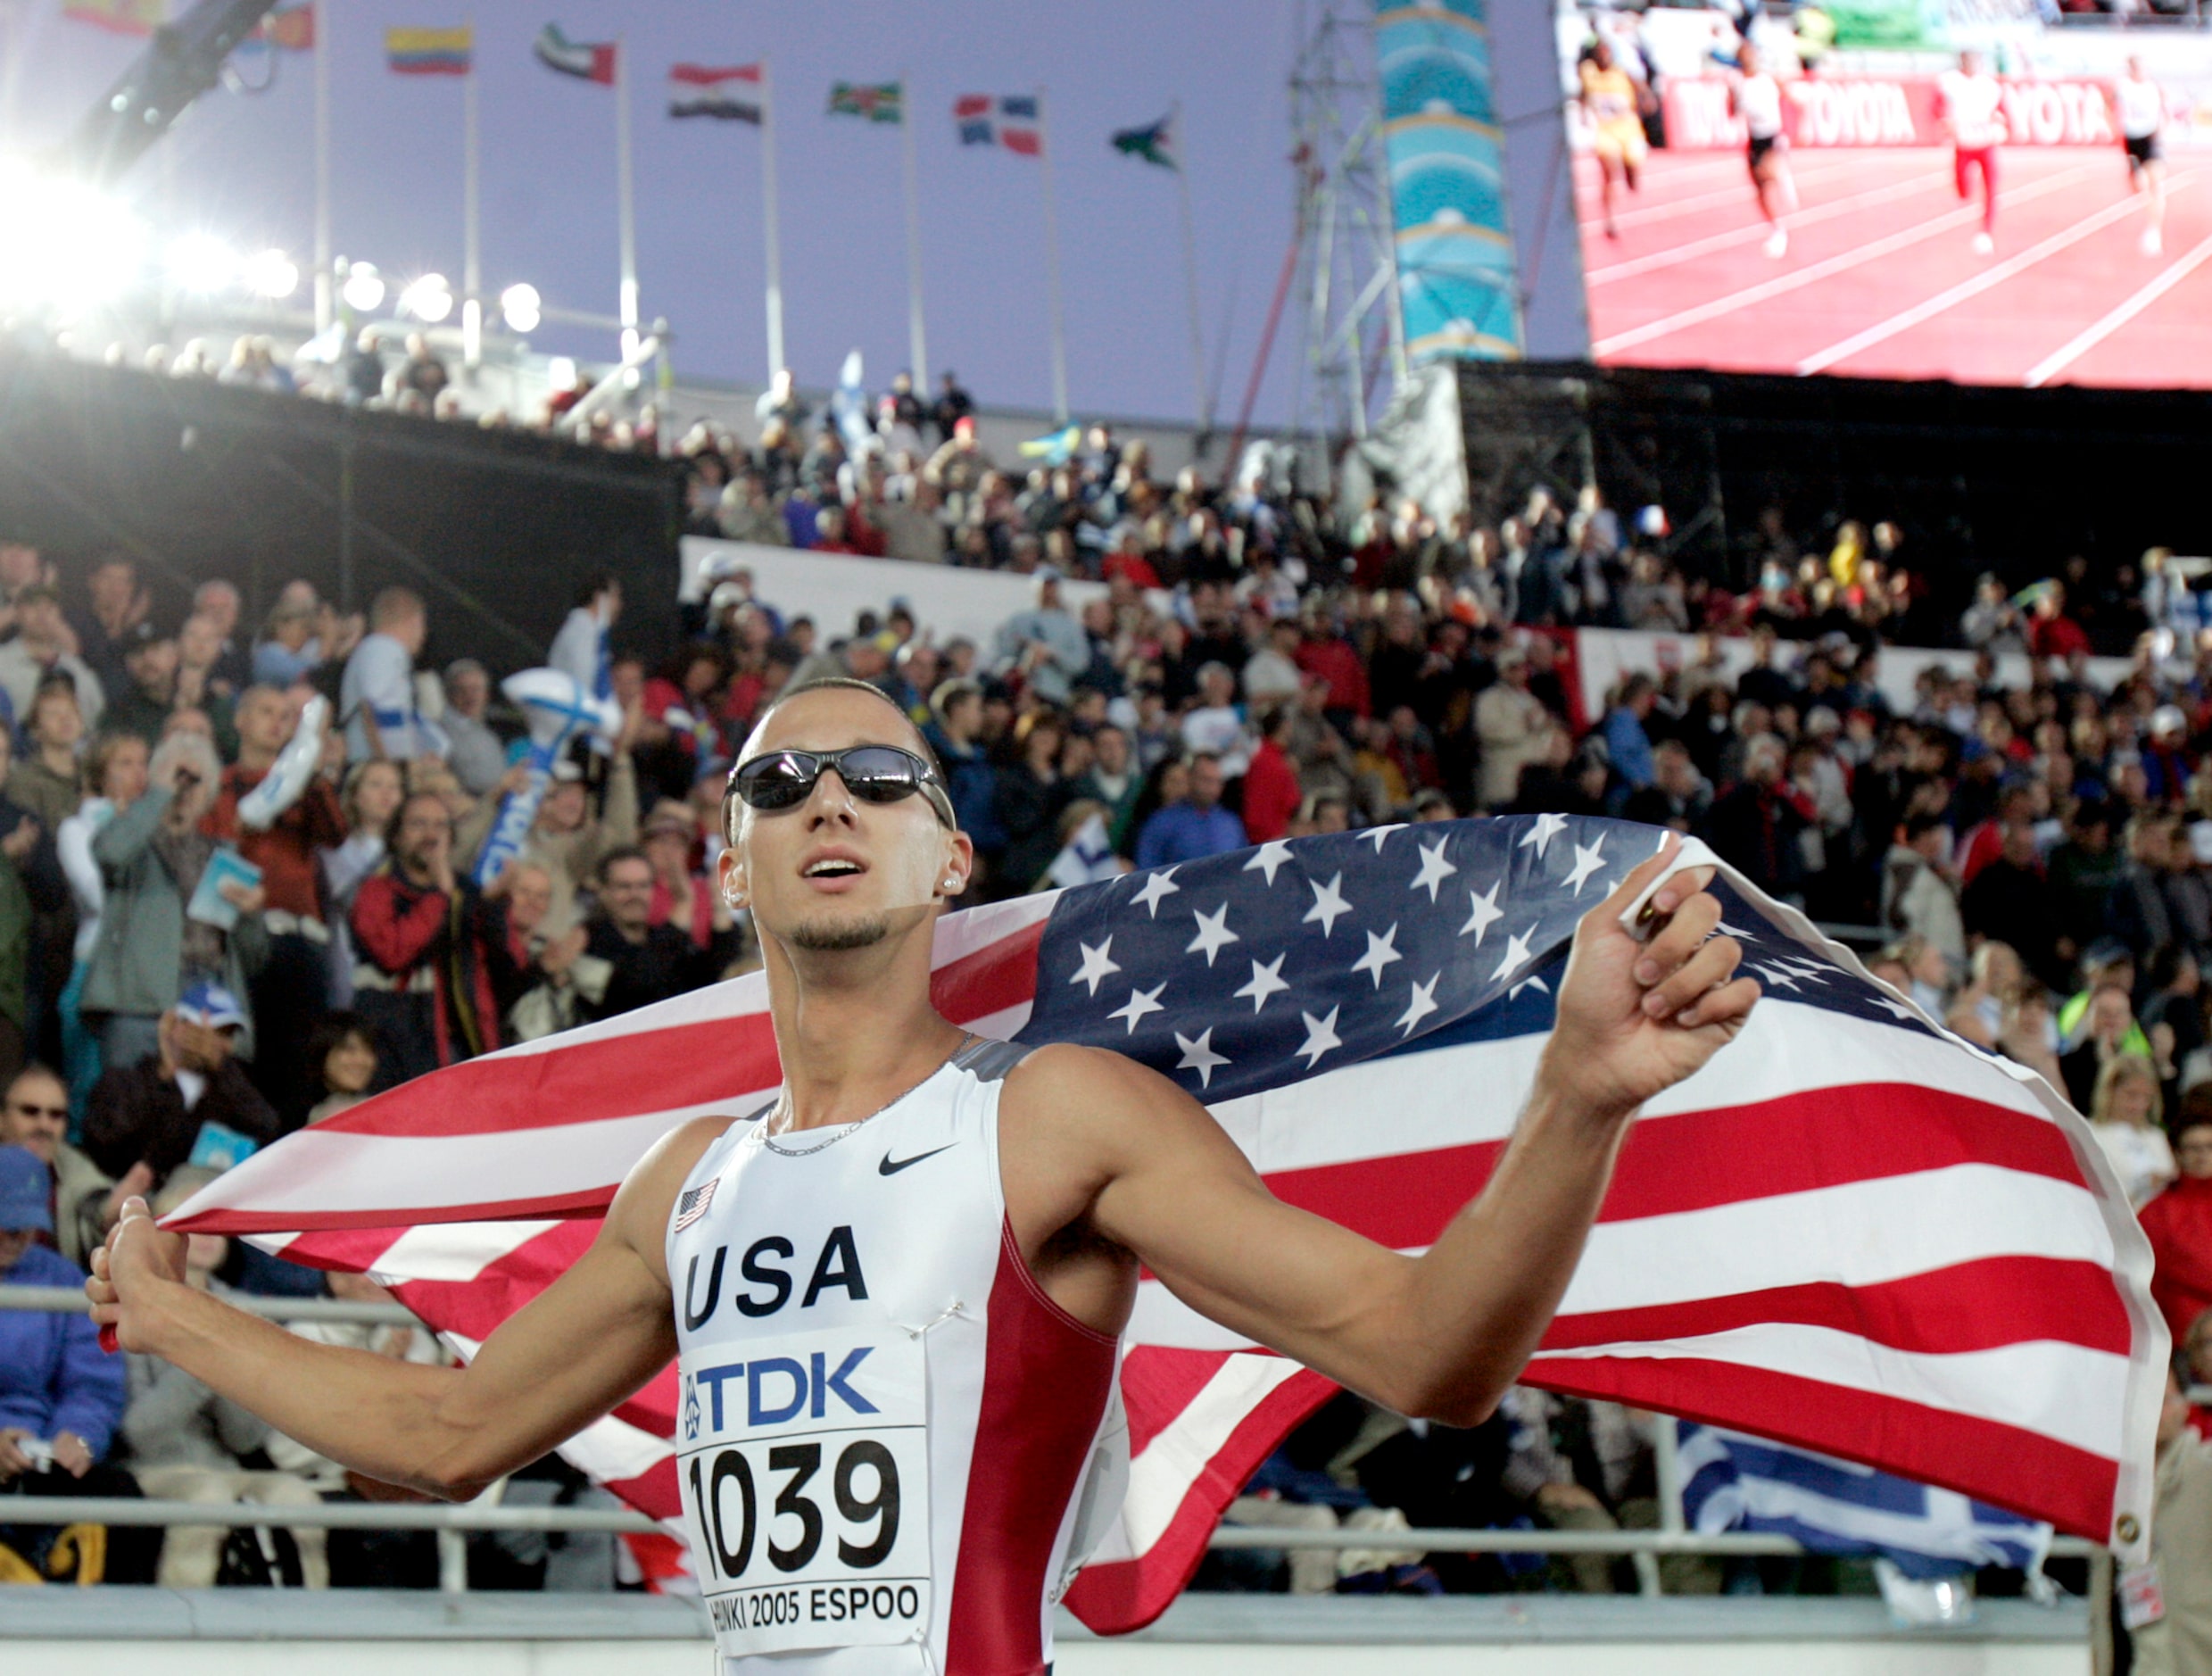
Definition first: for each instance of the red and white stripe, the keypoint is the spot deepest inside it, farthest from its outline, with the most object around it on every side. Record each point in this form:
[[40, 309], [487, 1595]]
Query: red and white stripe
[[1889, 1248]]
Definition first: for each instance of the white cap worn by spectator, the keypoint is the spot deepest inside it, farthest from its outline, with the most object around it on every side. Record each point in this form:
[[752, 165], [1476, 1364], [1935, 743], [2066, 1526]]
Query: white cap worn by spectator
[[211, 1006]]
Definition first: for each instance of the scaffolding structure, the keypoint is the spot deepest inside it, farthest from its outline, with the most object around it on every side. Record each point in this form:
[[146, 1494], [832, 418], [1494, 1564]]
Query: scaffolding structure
[[1347, 254]]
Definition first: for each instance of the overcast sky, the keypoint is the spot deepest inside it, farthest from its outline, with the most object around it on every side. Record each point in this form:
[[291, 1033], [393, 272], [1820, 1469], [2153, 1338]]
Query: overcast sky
[[241, 167]]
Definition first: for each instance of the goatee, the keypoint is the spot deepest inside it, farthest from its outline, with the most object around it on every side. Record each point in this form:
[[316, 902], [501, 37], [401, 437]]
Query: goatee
[[832, 936]]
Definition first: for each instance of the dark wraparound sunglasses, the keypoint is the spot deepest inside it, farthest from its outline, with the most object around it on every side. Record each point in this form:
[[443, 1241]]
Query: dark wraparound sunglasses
[[875, 774]]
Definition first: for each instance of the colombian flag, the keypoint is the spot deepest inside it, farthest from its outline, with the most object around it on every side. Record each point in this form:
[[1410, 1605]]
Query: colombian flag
[[429, 51]]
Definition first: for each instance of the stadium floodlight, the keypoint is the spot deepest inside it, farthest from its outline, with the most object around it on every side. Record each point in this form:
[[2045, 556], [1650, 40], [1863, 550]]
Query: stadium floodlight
[[521, 307], [63, 242], [428, 299], [363, 290], [270, 273], [200, 263]]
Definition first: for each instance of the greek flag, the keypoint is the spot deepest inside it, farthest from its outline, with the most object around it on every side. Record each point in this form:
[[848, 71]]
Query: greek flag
[[1734, 1482]]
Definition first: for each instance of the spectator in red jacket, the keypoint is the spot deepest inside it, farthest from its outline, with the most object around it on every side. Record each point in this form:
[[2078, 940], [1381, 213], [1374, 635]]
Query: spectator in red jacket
[[2051, 632], [286, 993], [2179, 1223], [434, 951], [1325, 653], [1270, 782]]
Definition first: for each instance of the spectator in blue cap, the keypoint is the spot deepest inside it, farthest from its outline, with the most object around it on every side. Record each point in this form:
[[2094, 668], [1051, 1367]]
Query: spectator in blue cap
[[61, 1396], [188, 1101]]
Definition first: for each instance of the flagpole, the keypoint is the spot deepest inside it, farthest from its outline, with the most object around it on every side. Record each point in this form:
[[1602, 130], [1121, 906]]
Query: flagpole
[[917, 343], [1052, 267], [625, 209], [325, 280], [768, 224], [1191, 269], [471, 265]]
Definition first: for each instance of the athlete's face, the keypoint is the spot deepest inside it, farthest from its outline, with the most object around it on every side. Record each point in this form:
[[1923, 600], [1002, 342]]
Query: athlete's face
[[835, 872]]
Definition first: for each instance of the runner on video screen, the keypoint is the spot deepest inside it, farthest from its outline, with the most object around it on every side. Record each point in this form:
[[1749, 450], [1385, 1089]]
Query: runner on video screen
[[1609, 99], [1971, 105], [2139, 108], [1756, 96]]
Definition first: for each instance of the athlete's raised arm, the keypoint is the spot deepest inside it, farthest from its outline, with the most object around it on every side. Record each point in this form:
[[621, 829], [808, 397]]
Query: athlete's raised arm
[[592, 1338], [1142, 1164]]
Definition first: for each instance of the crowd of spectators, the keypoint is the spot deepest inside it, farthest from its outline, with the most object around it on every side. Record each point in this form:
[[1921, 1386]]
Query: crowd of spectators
[[184, 979], [1195, 670]]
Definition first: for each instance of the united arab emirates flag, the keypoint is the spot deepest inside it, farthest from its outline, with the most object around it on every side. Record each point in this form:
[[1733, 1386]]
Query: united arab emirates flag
[[1155, 145], [733, 93], [871, 101], [587, 61]]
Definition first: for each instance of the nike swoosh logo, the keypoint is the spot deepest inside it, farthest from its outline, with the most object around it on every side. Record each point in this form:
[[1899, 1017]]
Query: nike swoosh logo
[[888, 1167]]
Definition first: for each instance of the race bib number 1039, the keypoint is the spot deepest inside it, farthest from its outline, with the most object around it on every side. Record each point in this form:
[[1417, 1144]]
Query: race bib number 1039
[[804, 1462]]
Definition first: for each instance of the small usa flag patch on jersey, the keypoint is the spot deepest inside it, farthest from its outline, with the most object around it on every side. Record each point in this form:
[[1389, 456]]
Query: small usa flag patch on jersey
[[692, 1205]]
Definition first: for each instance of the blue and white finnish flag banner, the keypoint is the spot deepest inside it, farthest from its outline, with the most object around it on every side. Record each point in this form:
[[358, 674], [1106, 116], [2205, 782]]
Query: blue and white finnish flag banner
[[1734, 1482]]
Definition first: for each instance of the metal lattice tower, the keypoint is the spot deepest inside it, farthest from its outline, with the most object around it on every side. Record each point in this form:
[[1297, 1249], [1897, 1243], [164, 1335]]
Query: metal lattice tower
[[1354, 334]]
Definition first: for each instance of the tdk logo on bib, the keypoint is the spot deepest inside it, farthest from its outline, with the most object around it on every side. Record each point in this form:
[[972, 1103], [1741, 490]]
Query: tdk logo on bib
[[804, 1469], [771, 1391]]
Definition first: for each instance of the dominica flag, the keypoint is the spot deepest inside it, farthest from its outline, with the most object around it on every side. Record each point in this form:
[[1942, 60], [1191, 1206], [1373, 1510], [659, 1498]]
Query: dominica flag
[[586, 61], [734, 95], [871, 101], [430, 52], [1010, 122], [1155, 145]]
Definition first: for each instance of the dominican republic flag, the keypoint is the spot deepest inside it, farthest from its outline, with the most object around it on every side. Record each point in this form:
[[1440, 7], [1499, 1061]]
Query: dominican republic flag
[[1154, 143], [1732, 1483], [587, 61], [429, 51], [732, 94], [1851, 1232], [1010, 122]]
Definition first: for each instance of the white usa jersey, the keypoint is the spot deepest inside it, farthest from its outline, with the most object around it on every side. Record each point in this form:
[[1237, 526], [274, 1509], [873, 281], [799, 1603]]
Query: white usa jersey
[[888, 1436], [1973, 105]]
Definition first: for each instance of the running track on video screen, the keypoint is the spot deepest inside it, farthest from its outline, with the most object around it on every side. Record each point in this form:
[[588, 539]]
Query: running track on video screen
[[1881, 278]]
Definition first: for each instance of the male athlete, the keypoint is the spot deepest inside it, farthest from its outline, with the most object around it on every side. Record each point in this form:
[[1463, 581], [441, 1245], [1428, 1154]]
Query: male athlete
[[895, 1298], [1971, 105], [2139, 108], [1756, 96], [1609, 98]]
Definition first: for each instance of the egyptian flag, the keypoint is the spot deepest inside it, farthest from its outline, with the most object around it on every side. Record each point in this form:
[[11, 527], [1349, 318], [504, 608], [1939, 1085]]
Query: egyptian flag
[[587, 61], [734, 95]]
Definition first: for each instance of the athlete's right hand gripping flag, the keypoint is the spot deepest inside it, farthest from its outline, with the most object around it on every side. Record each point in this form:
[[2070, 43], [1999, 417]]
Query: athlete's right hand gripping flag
[[1850, 1231]]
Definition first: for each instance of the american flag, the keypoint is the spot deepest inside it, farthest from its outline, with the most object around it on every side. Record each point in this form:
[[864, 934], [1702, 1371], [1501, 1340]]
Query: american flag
[[1851, 1232]]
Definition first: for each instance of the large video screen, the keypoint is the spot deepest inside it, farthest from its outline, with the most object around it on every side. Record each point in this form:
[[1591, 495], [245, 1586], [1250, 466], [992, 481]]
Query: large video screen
[[2013, 192]]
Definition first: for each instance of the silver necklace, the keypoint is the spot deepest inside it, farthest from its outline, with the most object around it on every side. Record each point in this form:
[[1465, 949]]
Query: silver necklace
[[769, 1140]]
